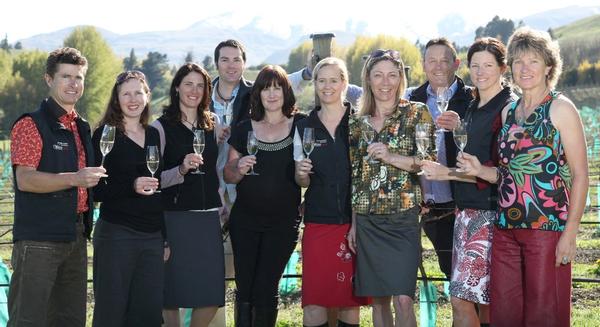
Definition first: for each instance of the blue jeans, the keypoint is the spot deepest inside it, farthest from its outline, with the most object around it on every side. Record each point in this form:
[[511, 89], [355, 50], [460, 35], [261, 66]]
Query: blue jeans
[[49, 283]]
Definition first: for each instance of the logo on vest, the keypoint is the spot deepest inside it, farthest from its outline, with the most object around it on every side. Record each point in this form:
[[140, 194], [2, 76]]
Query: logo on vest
[[59, 146]]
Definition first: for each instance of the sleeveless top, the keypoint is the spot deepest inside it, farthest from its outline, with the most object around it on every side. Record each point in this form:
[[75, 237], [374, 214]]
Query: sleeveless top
[[536, 180]]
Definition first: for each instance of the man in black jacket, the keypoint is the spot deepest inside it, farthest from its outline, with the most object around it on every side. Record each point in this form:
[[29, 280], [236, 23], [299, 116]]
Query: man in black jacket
[[440, 63], [51, 150]]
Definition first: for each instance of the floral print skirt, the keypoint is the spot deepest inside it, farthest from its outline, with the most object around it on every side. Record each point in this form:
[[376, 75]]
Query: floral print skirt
[[471, 255]]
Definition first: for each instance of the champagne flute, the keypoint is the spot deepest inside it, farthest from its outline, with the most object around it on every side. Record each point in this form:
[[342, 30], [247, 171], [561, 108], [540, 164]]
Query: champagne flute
[[107, 140], [441, 100], [422, 140], [252, 147], [308, 141], [460, 136], [368, 135], [198, 145], [152, 160]]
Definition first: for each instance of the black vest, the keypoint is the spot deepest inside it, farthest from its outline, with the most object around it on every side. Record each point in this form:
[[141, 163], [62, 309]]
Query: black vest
[[327, 199], [52, 216], [197, 192]]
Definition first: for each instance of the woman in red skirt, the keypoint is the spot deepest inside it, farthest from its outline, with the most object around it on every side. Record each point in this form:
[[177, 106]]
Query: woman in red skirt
[[327, 263]]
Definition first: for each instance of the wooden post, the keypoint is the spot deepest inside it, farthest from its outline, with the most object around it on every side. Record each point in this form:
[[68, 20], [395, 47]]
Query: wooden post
[[321, 49]]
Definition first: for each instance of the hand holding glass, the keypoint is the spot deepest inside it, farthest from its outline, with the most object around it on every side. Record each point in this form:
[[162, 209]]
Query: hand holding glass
[[460, 136], [198, 145], [422, 139], [441, 100], [368, 134], [152, 160], [107, 140], [252, 147]]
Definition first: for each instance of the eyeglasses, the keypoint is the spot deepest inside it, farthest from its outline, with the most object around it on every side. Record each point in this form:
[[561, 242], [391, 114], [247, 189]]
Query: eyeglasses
[[124, 76], [389, 52]]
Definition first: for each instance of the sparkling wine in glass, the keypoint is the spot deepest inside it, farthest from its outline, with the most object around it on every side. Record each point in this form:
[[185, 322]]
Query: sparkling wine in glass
[[252, 147], [460, 136], [368, 135], [308, 141], [422, 139], [441, 100], [198, 145], [107, 140], [152, 160]]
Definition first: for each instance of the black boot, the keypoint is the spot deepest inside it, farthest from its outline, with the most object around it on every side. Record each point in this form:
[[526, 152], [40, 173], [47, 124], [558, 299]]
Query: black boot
[[265, 316], [345, 324], [243, 314]]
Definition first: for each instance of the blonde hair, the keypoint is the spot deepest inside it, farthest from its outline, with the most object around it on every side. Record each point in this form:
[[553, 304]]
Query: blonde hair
[[526, 39], [367, 100], [333, 61]]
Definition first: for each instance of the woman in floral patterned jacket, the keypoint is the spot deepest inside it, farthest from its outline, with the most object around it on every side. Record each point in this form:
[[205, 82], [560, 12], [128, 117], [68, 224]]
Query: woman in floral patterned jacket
[[385, 232]]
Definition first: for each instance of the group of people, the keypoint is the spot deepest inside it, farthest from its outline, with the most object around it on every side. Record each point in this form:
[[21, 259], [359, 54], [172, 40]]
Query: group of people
[[502, 213]]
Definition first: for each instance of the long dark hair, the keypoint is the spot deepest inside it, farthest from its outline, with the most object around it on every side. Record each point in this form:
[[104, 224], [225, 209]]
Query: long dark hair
[[113, 114], [172, 112], [268, 76]]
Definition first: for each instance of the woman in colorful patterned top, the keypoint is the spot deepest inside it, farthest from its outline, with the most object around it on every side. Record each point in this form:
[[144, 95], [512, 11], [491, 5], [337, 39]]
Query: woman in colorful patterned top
[[385, 231], [543, 181], [476, 200]]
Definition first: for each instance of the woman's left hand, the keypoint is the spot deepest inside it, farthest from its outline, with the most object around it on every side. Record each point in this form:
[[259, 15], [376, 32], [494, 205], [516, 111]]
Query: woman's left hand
[[379, 151], [565, 249]]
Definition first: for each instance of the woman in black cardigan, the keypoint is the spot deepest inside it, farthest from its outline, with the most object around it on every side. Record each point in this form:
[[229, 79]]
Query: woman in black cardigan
[[129, 236]]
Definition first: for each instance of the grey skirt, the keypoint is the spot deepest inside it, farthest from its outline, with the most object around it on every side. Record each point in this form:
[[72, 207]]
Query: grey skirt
[[195, 271], [388, 254]]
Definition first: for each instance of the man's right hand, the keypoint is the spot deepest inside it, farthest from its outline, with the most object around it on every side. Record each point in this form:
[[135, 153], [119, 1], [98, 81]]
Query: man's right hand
[[88, 176]]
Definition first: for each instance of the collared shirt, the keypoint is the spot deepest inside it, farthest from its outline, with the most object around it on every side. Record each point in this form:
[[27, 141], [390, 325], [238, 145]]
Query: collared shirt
[[26, 146], [382, 188], [438, 191], [220, 110]]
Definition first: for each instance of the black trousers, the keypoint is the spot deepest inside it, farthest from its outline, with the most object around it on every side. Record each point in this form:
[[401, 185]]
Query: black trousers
[[259, 258], [128, 276], [441, 233]]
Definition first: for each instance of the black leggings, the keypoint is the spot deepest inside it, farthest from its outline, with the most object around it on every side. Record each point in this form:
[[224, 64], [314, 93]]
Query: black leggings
[[260, 258]]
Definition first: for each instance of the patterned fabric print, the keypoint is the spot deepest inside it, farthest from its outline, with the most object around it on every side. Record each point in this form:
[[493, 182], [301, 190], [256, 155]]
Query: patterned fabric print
[[382, 188], [471, 255], [536, 180]]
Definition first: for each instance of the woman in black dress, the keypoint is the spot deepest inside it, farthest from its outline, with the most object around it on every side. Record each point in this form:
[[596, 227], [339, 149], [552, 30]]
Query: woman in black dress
[[264, 218], [129, 236], [195, 275]]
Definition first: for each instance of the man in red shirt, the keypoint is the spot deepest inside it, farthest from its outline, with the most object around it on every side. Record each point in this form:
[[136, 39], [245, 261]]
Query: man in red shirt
[[50, 152]]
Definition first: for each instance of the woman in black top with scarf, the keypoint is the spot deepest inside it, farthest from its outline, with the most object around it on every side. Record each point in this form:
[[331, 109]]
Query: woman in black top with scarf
[[129, 236], [195, 274], [264, 218]]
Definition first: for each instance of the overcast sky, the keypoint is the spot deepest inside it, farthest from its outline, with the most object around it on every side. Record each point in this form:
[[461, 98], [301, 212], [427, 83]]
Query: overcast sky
[[25, 18]]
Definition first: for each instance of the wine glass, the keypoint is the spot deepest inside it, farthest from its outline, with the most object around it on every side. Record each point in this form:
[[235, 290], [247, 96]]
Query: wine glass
[[107, 140], [308, 141], [422, 140], [252, 147], [460, 136], [368, 135], [441, 100], [198, 145], [152, 160]]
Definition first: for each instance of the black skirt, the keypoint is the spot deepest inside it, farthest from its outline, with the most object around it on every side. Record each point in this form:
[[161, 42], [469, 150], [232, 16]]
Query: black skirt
[[195, 271], [388, 254]]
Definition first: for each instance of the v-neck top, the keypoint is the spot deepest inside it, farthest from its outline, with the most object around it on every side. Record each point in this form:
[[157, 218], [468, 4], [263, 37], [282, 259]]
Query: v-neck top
[[536, 179], [124, 163]]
